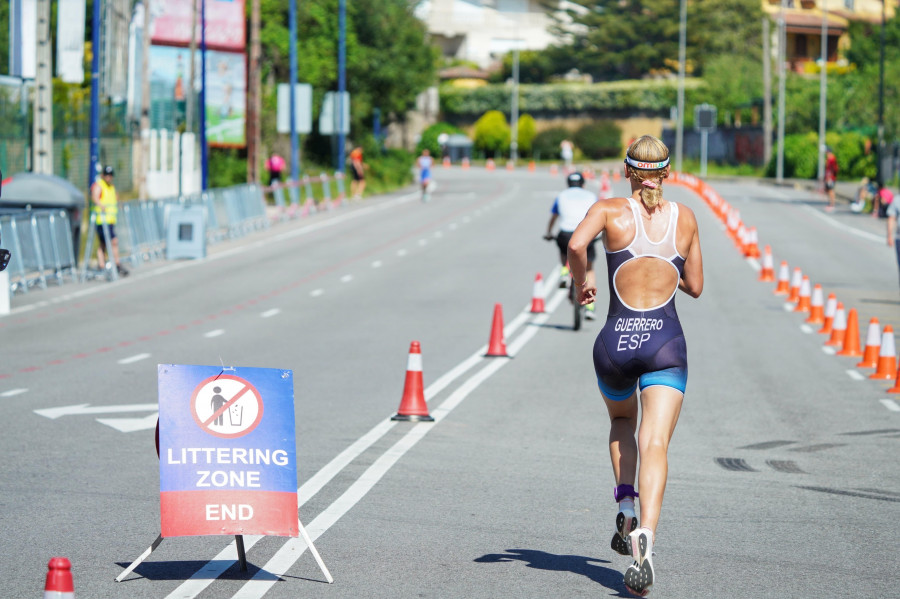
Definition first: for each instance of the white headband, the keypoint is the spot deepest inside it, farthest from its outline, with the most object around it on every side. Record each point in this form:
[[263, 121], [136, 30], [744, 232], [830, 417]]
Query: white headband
[[645, 166]]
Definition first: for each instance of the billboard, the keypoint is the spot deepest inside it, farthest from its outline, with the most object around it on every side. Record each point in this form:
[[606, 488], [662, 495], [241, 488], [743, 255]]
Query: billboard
[[225, 25], [226, 92]]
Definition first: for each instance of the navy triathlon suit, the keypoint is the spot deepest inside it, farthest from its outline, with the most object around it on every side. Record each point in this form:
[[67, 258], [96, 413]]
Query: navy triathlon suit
[[645, 346]]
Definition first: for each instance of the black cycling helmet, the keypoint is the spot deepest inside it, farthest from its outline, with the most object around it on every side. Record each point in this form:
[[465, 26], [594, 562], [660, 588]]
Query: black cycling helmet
[[575, 180], [108, 170]]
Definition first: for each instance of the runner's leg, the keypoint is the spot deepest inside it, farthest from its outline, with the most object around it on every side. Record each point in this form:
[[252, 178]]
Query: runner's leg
[[660, 406]]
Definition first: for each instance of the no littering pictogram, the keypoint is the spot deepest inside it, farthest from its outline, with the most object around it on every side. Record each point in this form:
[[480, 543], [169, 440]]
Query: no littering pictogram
[[226, 406]]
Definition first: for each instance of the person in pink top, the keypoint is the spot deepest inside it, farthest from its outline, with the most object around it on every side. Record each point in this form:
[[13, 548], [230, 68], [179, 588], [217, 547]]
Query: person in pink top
[[275, 166]]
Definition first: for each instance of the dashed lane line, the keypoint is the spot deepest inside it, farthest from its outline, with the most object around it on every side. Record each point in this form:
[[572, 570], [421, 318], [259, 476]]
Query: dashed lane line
[[134, 358], [890, 404], [13, 392], [270, 313], [214, 333], [855, 375]]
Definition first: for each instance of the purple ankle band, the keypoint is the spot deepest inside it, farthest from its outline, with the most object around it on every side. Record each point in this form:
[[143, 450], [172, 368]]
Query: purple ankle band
[[623, 491]]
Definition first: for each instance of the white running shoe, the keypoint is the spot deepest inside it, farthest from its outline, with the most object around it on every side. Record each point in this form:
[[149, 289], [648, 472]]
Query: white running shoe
[[589, 312], [626, 521], [639, 576]]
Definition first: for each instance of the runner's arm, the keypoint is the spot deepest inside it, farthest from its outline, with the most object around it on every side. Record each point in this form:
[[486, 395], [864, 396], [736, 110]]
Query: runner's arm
[[593, 224], [692, 280]]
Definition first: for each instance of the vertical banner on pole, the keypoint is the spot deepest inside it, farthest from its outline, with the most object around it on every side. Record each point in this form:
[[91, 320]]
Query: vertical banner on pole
[[227, 451]]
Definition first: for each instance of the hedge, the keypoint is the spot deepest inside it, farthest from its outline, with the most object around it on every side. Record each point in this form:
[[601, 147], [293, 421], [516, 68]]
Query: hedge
[[615, 96]]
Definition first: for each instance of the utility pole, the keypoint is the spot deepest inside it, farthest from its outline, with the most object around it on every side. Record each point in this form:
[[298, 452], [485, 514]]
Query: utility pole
[[342, 80], [782, 58], [94, 167], [823, 93], [43, 94], [254, 101], [767, 92], [204, 147], [295, 138], [144, 164], [682, 59]]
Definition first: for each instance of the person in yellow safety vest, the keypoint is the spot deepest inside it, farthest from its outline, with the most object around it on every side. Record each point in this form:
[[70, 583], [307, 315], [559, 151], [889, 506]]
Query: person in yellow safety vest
[[106, 208]]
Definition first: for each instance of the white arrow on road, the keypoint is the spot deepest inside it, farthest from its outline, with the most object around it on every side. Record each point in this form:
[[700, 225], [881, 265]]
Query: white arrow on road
[[130, 425], [85, 408]]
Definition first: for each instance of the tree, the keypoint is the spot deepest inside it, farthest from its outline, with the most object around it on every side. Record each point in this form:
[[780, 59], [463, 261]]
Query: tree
[[492, 132], [628, 39]]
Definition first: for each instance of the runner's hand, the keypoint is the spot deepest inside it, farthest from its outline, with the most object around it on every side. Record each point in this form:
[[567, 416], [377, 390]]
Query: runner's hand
[[587, 293], [548, 237]]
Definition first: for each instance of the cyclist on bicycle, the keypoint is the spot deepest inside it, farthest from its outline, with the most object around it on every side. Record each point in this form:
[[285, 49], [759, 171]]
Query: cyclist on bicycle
[[569, 209]]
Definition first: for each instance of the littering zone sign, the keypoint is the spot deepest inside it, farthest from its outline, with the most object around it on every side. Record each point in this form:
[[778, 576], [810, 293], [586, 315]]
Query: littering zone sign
[[227, 451]]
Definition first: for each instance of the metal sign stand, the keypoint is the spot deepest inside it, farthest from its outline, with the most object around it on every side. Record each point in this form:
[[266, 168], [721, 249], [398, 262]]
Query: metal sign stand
[[241, 554]]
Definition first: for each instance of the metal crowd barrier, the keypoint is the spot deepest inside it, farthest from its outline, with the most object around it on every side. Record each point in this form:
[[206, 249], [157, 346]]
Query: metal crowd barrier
[[41, 245], [43, 252]]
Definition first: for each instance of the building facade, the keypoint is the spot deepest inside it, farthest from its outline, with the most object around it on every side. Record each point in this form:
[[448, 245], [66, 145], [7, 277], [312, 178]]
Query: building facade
[[804, 21]]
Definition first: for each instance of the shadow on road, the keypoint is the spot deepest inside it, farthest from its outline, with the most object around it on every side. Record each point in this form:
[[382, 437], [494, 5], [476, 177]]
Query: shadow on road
[[577, 564]]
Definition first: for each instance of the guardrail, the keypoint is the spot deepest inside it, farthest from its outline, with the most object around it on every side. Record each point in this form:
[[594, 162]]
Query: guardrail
[[43, 252]]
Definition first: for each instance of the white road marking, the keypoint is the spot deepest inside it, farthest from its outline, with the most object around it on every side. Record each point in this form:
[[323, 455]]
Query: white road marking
[[376, 264], [847, 229], [270, 313], [438, 234], [316, 292], [855, 375], [130, 425], [346, 278], [423, 242], [135, 358], [829, 350], [890, 404], [401, 252], [807, 329], [214, 333], [13, 392]]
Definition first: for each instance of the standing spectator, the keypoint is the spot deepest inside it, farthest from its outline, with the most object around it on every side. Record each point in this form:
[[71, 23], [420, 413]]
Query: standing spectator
[[4, 254], [883, 199], [424, 163], [893, 227], [106, 208], [275, 166], [831, 171], [567, 153], [358, 173]]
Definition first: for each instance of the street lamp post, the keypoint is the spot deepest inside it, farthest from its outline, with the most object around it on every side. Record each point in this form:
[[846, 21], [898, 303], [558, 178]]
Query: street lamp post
[[514, 110], [880, 156], [682, 51], [782, 58], [823, 94]]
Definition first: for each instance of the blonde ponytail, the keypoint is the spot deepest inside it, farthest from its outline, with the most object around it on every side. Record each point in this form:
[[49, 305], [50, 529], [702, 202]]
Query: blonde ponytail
[[648, 150]]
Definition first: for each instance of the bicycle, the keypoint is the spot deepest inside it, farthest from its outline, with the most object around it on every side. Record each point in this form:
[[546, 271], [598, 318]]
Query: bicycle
[[577, 308]]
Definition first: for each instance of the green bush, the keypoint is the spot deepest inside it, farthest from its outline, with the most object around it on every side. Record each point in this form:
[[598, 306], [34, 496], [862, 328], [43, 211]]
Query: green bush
[[546, 143], [599, 139], [430, 138], [492, 133], [227, 166], [801, 156], [525, 132]]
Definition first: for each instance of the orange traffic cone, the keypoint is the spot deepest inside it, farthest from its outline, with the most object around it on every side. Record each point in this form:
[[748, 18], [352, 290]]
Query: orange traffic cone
[[851, 336], [489, 165], [554, 169], [803, 300], [816, 306], [751, 250], [896, 387], [796, 280], [497, 346], [445, 162], [873, 344], [767, 272], [465, 163], [531, 166], [605, 186], [537, 297], [59, 583], [838, 327], [887, 356], [830, 310], [783, 286], [510, 165], [412, 405], [616, 175]]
